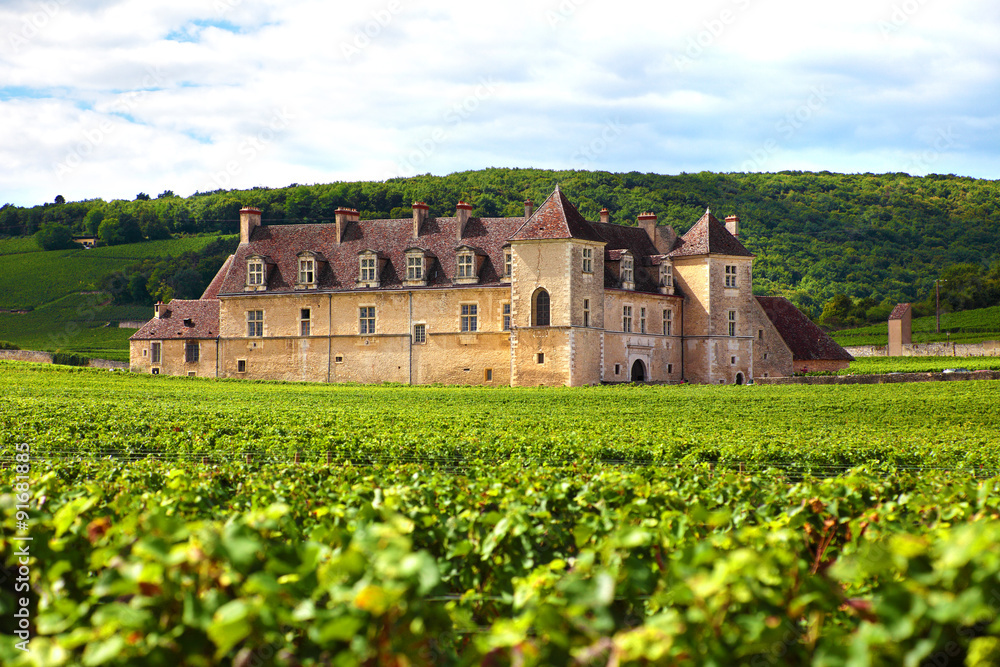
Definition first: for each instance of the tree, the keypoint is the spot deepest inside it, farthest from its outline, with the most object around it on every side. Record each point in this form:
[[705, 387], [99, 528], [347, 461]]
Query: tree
[[92, 221], [55, 236], [109, 231], [142, 196], [165, 194], [187, 284], [60, 199]]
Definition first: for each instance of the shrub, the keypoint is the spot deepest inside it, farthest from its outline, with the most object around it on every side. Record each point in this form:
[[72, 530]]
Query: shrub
[[70, 359], [7, 345]]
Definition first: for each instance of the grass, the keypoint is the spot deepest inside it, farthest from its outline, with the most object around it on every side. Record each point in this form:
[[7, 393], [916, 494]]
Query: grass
[[875, 365], [19, 244], [968, 326], [32, 279]]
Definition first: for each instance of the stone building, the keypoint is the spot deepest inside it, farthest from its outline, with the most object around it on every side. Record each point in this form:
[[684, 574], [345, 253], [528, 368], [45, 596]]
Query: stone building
[[545, 299]]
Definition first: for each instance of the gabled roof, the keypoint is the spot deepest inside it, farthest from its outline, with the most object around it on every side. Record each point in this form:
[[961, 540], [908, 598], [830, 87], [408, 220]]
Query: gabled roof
[[806, 340], [708, 236], [899, 312], [556, 218], [202, 313]]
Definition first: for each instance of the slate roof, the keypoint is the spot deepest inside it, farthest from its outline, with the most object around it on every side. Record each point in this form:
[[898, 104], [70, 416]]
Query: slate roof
[[899, 312], [708, 236], [556, 218], [203, 315], [806, 340]]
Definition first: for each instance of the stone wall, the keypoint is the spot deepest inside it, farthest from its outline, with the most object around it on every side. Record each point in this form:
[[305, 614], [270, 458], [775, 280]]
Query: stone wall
[[990, 348], [46, 358], [885, 378]]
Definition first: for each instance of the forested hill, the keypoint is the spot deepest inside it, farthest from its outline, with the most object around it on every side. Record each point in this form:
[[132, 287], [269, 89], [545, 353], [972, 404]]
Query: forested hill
[[815, 235]]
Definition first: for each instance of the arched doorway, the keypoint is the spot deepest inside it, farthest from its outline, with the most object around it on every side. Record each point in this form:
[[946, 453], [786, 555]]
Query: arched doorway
[[638, 371], [739, 378]]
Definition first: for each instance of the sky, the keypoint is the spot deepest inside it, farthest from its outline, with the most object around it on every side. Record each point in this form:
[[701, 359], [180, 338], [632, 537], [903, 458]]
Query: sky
[[106, 99]]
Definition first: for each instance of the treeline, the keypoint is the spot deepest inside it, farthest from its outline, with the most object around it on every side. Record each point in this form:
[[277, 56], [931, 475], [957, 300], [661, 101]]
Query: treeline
[[881, 237], [161, 279]]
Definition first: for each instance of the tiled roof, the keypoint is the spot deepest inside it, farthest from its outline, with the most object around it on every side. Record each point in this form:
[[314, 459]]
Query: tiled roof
[[338, 269], [182, 319], [806, 340], [556, 218], [899, 312], [709, 236]]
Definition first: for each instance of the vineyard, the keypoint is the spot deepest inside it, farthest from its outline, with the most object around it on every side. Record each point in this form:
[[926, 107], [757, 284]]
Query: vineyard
[[178, 521]]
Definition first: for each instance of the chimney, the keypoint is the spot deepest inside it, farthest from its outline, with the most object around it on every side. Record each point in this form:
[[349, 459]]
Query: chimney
[[420, 210], [647, 221], [733, 225], [156, 309], [462, 212], [249, 218], [344, 216], [529, 207], [606, 215], [662, 237]]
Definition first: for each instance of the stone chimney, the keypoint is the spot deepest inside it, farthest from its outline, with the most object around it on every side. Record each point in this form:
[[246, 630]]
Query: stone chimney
[[249, 218], [420, 210], [344, 216], [733, 225], [662, 237], [606, 215], [462, 212], [157, 308], [529, 208]]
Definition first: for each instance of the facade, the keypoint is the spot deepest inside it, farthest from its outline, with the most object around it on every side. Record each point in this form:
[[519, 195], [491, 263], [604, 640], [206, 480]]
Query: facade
[[545, 299], [900, 328]]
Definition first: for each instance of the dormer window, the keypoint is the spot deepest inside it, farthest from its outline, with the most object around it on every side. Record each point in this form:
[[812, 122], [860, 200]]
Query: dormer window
[[416, 267], [307, 271], [467, 264], [628, 271], [508, 263], [256, 273], [369, 268], [666, 275]]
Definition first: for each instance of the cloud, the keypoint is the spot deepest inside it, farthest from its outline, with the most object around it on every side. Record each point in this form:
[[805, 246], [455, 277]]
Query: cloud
[[184, 94]]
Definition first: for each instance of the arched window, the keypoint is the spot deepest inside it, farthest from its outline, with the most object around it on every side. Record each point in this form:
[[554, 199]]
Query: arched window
[[540, 309]]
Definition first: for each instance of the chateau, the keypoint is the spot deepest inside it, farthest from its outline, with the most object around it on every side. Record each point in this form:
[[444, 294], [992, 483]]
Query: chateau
[[545, 299]]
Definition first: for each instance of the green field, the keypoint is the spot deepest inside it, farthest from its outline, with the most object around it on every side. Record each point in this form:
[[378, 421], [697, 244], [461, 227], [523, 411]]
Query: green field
[[627, 525], [19, 244], [968, 326], [874, 365]]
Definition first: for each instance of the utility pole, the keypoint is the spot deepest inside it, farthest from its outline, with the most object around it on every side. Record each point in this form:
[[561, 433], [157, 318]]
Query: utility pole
[[937, 302]]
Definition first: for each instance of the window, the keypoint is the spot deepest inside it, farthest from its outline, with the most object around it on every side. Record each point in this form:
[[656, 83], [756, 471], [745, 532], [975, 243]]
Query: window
[[466, 265], [419, 334], [414, 267], [642, 320], [307, 271], [305, 315], [255, 323], [541, 309], [368, 263], [339, 359], [541, 357], [241, 365], [506, 317], [191, 352], [730, 275], [628, 272], [760, 334], [668, 323], [155, 351], [508, 263], [586, 312], [366, 319], [470, 313], [732, 360], [588, 260], [488, 375], [732, 322], [627, 319], [255, 272], [666, 275], [191, 374], [155, 371], [670, 368], [618, 369]]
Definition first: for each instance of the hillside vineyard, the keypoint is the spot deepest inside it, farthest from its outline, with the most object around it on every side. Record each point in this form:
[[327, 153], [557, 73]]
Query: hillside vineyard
[[545, 299]]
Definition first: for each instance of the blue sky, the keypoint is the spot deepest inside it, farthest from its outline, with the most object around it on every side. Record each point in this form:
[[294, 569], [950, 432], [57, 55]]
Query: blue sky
[[109, 99]]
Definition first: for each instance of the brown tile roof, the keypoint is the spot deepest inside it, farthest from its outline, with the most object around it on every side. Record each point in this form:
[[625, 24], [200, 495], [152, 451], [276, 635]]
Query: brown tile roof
[[899, 312], [556, 218], [212, 291], [806, 340], [708, 236], [180, 319]]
